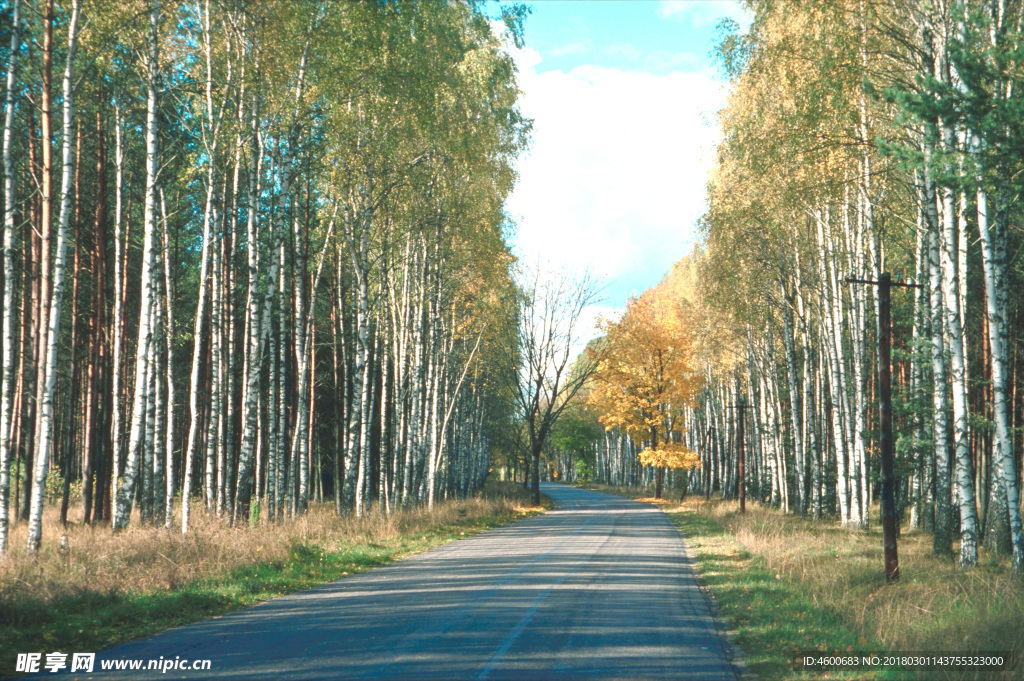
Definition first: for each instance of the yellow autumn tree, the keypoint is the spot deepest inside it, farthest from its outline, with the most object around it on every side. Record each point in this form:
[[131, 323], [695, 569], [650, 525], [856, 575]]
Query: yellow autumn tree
[[645, 377]]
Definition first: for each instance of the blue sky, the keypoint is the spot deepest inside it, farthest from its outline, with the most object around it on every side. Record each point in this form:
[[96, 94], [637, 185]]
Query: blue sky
[[628, 34], [623, 95]]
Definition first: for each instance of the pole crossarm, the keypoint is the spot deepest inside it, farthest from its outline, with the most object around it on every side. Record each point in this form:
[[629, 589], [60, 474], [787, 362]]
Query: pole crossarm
[[903, 284]]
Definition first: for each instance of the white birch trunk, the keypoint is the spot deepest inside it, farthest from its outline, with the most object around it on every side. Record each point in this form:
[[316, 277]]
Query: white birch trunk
[[940, 427], [924, 476], [301, 353], [954, 332], [168, 308], [950, 247], [258, 335], [120, 270], [993, 248], [45, 434], [213, 497], [127, 489], [858, 337], [794, 400], [152, 459], [209, 219], [258, 318], [836, 382], [9, 321]]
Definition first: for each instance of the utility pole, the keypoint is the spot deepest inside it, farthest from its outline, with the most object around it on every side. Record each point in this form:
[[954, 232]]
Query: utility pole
[[888, 505], [740, 452], [707, 473]]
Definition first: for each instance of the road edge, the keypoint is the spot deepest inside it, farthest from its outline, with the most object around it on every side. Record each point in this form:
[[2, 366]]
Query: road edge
[[734, 654]]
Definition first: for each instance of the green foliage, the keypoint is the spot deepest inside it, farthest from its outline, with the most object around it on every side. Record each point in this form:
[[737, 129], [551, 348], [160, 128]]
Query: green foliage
[[732, 49], [514, 18], [575, 432]]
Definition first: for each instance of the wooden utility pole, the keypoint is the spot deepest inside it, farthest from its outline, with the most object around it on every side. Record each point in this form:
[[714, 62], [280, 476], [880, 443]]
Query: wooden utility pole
[[888, 505], [741, 452], [707, 448]]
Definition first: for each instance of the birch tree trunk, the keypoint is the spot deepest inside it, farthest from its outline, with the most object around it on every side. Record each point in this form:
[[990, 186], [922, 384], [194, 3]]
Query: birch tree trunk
[[120, 270], [836, 380], [45, 437], [794, 401], [943, 535], [257, 316], [212, 499], [168, 310], [257, 335], [7, 360], [993, 248], [210, 139], [126, 492], [44, 269], [950, 259], [923, 511]]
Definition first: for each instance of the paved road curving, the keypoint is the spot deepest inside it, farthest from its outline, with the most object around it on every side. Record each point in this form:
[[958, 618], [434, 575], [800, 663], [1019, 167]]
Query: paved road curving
[[599, 588]]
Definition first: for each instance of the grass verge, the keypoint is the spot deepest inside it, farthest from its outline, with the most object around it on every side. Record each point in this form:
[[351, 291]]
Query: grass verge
[[788, 586], [105, 589]]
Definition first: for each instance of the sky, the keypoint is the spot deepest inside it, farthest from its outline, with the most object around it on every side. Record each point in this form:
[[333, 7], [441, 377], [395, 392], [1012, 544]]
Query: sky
[[623, 95]]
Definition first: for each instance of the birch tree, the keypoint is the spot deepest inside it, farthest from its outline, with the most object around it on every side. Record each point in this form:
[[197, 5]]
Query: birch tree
[[144, 352], [46, 427], [9, 226]]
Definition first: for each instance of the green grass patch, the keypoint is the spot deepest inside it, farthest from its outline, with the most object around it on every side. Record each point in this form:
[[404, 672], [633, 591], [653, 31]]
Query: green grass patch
[[774, 621]]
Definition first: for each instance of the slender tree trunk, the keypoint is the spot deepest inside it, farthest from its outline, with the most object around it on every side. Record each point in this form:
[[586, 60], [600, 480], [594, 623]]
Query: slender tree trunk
[[46, 428], [96, 379], [9, 226], [993, 246], [258, 335], [120, 271], [943, 535], [76, 324], [836, 379], [127, 490], [168, 311]]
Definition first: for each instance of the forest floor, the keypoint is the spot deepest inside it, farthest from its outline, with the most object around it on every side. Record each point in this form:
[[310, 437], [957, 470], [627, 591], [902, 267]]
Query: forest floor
[[104, 589], [789, 587]]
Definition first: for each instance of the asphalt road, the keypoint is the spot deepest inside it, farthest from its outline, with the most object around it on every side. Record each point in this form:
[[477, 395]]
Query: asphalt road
[[599, 588]]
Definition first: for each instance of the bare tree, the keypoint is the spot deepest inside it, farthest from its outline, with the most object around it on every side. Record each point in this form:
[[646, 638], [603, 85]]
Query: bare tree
[[548, 378]]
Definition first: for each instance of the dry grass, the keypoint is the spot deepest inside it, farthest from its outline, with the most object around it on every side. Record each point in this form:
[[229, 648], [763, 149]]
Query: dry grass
[[935, 607], [101, 589], [146, 558]]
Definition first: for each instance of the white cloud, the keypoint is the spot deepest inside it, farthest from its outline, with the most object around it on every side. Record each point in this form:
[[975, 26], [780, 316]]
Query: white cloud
[[705, 12], [616, 176], [571, 48]]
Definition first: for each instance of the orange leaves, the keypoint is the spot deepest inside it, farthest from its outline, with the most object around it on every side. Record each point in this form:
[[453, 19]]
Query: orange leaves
[[646, 374], [670, 456]]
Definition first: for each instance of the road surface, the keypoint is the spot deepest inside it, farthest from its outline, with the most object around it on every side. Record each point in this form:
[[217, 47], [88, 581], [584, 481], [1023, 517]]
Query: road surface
[[599, 588]]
